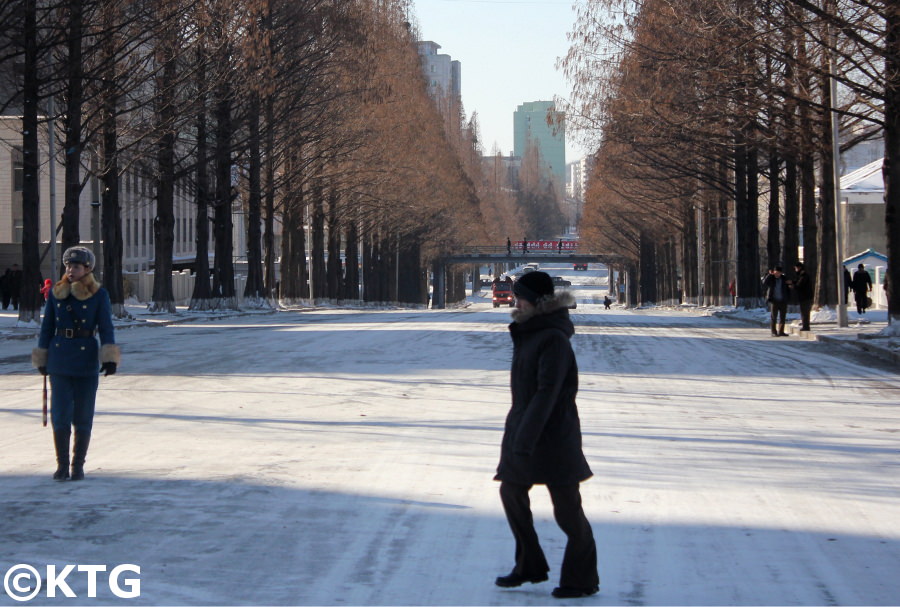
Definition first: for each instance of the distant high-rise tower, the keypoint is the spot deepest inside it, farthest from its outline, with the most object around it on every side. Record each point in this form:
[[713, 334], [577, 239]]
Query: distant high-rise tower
[[441, 72], [530, 124]]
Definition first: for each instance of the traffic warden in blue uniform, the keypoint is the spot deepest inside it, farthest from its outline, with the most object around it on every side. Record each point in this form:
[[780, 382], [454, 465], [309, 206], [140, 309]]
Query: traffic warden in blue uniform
[[77, 311]]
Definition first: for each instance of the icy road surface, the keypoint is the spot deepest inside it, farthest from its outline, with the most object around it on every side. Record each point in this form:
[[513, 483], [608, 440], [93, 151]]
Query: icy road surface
[[345, 458]]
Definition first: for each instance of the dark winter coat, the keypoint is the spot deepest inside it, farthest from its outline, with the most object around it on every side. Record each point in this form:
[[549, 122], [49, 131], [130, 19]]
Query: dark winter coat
[[862, 283], [82, 308], [803, 287], [542, 437], [776, 289]]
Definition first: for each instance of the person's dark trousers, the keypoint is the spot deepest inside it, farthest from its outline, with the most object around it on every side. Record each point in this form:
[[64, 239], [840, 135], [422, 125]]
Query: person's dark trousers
[[579, 567], [779, 313], [530, 560], [805, 311], [72, 402]]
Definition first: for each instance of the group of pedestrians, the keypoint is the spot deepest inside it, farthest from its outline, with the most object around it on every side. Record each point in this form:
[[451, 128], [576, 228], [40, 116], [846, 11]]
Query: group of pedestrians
[[780, 291], [11, 287]]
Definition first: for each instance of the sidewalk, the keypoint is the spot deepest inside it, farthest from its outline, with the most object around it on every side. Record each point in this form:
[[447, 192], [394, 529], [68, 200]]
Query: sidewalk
[[863, 333], [866, 332], [11, 328]]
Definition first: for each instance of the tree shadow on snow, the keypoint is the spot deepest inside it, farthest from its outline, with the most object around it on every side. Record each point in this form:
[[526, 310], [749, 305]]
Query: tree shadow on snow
[[236, 541]]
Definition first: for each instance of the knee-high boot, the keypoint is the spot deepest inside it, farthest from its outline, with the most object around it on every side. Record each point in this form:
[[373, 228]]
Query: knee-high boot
[[79, 452], [61, 443]]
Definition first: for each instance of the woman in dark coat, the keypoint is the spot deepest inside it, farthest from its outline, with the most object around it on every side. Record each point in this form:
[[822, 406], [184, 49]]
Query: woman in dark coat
[[77, 310], [542, 439]]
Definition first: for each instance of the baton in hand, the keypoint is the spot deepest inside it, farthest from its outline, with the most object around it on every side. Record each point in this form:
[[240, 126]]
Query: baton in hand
[[44, 412]]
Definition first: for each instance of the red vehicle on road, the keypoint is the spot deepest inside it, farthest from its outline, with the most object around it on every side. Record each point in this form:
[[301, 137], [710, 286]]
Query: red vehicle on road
[[502, 294]]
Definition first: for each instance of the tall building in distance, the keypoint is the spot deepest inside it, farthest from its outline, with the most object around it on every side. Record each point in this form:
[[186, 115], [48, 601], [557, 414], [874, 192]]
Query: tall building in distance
[[530, 125], [441, 72]]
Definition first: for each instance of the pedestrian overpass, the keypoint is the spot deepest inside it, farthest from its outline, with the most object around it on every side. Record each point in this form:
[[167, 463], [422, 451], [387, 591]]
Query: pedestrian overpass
[[480, 255]]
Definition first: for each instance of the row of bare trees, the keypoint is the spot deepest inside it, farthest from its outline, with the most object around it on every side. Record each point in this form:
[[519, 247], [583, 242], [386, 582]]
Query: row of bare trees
[[311, 115], [713, 118]]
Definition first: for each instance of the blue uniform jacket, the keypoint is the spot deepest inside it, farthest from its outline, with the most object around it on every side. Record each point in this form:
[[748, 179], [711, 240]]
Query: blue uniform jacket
[[78, 310]]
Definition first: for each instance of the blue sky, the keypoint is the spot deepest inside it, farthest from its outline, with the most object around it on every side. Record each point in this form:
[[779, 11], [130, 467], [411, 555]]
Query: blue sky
[[508, 51]]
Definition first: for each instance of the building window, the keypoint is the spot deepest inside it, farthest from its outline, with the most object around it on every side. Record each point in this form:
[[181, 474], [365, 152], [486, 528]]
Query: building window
[[18, 172], [18, 177]]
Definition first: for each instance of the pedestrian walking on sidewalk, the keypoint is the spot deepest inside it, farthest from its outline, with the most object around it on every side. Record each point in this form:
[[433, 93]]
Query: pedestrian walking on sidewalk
[[803, 289], [78, 309], [542, 440], [862, 284], [776, 289]]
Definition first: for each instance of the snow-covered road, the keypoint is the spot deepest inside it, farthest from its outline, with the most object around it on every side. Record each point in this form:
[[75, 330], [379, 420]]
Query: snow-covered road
[[345, 458]]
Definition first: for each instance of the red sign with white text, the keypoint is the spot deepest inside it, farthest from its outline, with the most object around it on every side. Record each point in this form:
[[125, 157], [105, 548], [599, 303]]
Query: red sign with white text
[[546, 245]]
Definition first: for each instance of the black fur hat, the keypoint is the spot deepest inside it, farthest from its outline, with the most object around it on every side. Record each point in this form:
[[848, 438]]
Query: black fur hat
[[533, 286]]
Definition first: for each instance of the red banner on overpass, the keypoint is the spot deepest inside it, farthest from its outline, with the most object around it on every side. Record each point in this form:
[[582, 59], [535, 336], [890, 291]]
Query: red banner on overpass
[[546, 245]]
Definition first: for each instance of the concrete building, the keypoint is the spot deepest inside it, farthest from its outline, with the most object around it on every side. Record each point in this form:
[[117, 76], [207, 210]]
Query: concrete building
[[530, 125], [862, 209], [577, 174], [441, 72], [138, 203]]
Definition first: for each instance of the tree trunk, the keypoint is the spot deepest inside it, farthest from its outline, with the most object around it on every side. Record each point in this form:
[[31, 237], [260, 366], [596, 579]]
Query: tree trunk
[[351, 256], [201, 297], [223, 273], [30, 299], [270, 275], [254, 291], [773, 225], [164, 223], [689, 272], [319, 277], [409, 284], [791, 213], [891, 169], [111, 210], [334, 270], [747, 227], [73, 121], [648, 269]]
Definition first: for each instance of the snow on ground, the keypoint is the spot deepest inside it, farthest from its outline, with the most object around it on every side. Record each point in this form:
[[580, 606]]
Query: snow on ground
[[337, 457]]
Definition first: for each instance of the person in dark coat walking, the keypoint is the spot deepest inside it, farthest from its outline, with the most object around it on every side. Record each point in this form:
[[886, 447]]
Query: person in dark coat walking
[[14, 286], [78, 309], [862, 284], [803, 289], [776, 289], [542, 440]]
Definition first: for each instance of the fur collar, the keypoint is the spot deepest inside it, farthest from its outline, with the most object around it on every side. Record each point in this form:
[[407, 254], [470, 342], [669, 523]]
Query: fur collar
[[81, 290], [545, 305]]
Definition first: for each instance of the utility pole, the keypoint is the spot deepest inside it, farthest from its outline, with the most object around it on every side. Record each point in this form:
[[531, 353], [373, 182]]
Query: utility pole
[[838, 232]]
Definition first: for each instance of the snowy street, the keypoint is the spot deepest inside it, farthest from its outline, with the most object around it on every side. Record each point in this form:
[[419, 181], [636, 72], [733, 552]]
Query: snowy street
[[345, 457]]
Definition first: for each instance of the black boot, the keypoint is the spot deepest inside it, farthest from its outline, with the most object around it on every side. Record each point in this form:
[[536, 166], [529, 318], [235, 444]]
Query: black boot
[[61, 443], [79, 452]]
